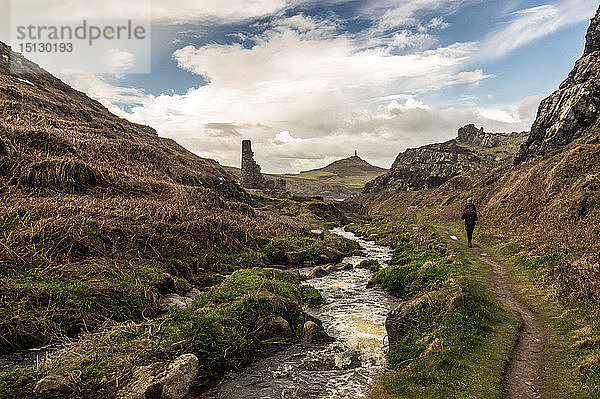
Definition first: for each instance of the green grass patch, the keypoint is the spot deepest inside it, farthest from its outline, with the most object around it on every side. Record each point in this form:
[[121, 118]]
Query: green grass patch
[[370, 264], [221, 328], [457, 338], [311, 296]]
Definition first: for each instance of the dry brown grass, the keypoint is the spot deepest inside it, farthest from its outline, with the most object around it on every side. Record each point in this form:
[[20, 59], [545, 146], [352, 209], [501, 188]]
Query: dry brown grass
[[93, 209]]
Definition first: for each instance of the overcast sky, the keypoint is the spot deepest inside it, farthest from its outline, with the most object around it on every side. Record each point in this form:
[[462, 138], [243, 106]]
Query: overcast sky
[[311, 81]]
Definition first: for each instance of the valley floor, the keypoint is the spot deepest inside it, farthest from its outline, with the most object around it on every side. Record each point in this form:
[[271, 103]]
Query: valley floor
[[509, 336]]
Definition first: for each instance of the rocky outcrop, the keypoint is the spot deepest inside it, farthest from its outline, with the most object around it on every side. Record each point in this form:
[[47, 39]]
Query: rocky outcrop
[[569, 113], [425, 167], [432, 165], [469, 134], [163, 381]]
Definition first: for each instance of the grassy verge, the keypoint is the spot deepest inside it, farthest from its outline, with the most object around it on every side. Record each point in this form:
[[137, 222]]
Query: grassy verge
[[572, 364], [223, 328], [572, 361], [451, 338]]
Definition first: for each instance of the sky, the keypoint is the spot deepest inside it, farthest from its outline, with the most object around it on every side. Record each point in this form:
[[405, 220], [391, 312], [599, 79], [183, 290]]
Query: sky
[[311, 81]]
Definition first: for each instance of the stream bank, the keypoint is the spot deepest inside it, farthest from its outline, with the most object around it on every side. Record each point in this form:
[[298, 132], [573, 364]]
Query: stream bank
[[354, 316]]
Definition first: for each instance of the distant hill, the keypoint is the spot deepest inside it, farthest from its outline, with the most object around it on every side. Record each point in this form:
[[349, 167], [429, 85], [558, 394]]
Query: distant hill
[[338, 180]]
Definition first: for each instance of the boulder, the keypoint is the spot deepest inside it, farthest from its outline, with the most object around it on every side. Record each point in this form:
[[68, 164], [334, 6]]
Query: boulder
[[52, 384], [295, 257], [331, 269], [333, 255], [312, 332], [318, 233], [275, 329], [317, 271], [171, 380], [180, 302], [322, 258], [396, 322]]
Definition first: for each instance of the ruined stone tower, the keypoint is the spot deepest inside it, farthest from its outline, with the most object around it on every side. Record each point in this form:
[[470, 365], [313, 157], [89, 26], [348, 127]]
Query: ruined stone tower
[[250, 172], [251, 176]]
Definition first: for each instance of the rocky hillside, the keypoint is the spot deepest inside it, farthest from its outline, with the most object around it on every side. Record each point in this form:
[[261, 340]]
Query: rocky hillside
[[541, 217], [105, 226], [572, 111], [430, 166]]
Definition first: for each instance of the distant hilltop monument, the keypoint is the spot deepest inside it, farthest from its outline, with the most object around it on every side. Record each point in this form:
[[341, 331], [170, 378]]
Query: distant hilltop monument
[[251, 177]]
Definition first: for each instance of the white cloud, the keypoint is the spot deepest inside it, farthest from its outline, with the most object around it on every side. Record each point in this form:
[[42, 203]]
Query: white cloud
[[286, 138], [307, 94], [107, 94], [392, 14], [527, 25], [471, 77], [118, 61]]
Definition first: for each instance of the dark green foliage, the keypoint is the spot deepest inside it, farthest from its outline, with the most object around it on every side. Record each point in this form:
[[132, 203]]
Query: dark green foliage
[[274, 255], [370, 264], [311, 296], [409, 271]]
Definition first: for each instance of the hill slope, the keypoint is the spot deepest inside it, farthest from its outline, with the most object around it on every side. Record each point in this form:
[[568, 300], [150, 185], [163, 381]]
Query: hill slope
[[103, 225], [542, 218], [338, 180]]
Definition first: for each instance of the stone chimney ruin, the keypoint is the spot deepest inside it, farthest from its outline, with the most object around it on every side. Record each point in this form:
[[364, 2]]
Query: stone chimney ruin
[[251, 177]]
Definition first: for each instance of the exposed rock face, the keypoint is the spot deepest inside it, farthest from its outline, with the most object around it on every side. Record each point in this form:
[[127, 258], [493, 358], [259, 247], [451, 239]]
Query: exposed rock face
[[570, 111], [425, 167], [469, 134], [432, 165], [160, 381]]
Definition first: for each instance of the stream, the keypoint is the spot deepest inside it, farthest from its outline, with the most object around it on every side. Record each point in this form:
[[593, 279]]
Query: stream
[[343, 369]]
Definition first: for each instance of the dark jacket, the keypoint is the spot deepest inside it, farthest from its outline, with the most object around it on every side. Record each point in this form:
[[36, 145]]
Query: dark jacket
[[469, 216]]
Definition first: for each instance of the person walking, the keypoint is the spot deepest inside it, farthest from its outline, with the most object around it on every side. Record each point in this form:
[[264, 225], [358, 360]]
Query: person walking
[[470, 217]]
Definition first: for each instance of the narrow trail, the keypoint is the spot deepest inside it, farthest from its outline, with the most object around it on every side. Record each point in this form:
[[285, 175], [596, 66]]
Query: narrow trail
[[522, 379]]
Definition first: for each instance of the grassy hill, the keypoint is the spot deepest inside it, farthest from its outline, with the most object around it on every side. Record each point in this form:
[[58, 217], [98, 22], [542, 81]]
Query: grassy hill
[[101, 220], [339, 180]]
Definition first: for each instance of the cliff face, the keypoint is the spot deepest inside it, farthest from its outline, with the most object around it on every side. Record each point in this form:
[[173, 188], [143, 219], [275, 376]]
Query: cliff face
[[425, 167], [432, 165], [568, 113]]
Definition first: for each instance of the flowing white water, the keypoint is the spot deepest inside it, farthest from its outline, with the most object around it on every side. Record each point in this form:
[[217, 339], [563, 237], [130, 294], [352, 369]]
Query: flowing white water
[[343, 369]]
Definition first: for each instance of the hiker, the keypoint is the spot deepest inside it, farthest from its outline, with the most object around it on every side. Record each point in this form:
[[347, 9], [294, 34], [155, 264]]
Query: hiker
[[470, 217]]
